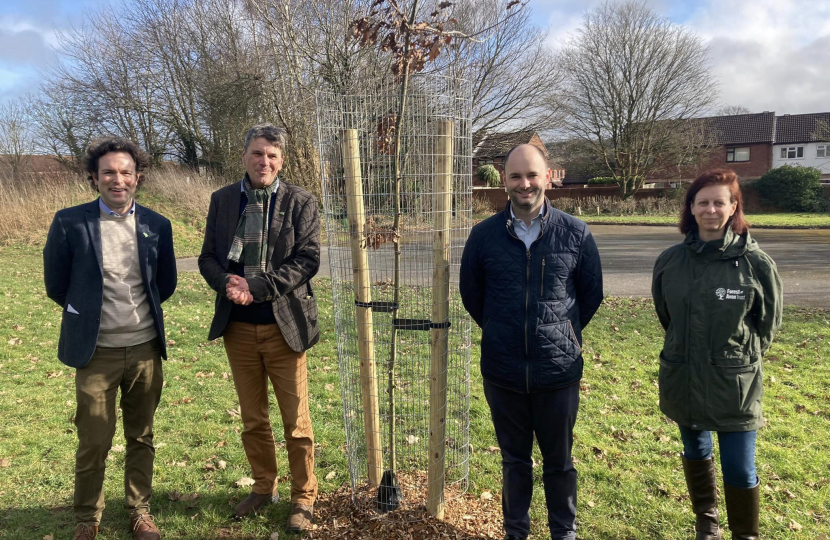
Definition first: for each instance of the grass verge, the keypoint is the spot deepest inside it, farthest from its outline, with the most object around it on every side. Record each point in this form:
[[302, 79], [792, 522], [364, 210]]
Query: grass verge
[[631, 484]]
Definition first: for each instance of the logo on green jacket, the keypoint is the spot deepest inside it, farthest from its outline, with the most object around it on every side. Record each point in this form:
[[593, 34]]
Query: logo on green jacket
[[730, 294]]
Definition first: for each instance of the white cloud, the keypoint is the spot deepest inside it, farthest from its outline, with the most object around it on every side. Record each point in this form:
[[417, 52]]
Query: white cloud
[[18, 25]]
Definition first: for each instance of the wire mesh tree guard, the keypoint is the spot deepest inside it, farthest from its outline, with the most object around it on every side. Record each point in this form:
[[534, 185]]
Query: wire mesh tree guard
[[394, 244]]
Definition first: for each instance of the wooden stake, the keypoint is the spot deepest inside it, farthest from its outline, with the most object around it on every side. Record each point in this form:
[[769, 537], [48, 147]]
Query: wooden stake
[[438, 337], [350, 148]]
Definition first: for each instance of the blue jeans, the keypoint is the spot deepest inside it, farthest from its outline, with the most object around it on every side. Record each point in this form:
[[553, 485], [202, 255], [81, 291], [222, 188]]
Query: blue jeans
[[551, 417], [737, 453]]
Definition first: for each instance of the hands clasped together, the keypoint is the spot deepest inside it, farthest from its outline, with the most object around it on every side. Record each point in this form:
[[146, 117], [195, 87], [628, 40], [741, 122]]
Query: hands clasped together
[[238, 292]]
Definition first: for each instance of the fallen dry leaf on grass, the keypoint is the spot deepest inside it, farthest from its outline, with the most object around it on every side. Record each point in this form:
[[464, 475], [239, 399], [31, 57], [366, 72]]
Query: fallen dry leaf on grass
[[48, 537], [331, 475], [5, 463], [244, 481]]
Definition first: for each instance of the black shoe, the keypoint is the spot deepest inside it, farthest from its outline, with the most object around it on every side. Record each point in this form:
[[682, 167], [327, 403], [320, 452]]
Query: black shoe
[[512, 537]]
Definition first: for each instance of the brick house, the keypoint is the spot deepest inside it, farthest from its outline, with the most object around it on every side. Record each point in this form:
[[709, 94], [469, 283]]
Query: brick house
[[492, 148], [800, 139], [741, 142]]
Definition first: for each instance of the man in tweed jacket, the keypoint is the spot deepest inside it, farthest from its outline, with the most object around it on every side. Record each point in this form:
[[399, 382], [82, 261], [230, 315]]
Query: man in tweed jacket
[[261, 249]]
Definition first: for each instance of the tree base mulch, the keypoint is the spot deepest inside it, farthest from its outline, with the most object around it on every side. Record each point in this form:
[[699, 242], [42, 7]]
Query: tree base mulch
[[466, 517]]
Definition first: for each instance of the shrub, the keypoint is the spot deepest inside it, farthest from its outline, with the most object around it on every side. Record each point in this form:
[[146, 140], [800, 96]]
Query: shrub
[[793, 188], [489, 175], [617, 206], [481, 205]]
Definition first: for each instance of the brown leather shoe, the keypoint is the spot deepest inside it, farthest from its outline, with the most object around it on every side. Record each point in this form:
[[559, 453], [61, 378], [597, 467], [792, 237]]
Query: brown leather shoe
[[144, 527], [300, 518], [85, 532], [253, 503]]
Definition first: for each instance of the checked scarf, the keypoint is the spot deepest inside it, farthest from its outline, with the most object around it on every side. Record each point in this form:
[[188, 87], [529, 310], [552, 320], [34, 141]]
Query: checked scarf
[[250, 243]]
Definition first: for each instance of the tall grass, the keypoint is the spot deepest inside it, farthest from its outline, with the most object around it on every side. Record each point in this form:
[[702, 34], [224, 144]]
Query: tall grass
[[28, 204]]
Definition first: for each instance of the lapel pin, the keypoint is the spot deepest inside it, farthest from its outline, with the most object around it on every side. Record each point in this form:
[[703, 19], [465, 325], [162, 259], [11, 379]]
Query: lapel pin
[[146, 235], [282, 213]]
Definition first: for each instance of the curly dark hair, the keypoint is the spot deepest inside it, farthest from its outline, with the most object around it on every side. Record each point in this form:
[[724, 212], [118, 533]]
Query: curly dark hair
[[100, 147]]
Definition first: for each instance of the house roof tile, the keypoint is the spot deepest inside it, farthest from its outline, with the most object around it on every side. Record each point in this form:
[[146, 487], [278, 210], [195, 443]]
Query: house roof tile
[[492, 145], [741, 128], [800, 128]]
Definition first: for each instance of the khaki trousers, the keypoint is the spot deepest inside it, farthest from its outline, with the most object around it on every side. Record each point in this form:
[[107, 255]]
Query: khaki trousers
[[137, 372], [257, 353]]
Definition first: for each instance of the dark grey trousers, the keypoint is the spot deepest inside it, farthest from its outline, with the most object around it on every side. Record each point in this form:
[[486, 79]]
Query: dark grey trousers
[[551, 417]]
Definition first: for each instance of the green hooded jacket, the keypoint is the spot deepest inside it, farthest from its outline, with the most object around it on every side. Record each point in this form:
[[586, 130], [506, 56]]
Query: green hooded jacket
[[720, 303]]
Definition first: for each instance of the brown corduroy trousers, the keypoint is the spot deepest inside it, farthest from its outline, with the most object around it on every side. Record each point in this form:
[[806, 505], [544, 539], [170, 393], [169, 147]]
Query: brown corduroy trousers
[[137, 372], [257, 353]]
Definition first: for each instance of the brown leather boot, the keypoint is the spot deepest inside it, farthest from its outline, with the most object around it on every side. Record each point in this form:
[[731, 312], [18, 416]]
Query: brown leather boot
[[742, 511], [85, 532], [144, 527], [253, 503], [703, 492], [300, 518]]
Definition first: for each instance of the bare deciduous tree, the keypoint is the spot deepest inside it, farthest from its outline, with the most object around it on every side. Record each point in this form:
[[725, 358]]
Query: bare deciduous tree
[[631, 76], [730, 110], [516, 78], [16, 144]]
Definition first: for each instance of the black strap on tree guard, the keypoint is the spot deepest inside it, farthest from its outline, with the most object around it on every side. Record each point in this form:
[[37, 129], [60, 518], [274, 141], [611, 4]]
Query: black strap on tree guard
[[380, 307], [418, 324], [402, 324]]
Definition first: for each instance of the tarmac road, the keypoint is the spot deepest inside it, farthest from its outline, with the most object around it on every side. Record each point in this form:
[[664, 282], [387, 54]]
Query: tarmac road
[[803, 258], [628, 254]]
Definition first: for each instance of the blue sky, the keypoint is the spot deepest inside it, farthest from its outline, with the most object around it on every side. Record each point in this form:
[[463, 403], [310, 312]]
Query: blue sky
[[767, 55], [28, 39]]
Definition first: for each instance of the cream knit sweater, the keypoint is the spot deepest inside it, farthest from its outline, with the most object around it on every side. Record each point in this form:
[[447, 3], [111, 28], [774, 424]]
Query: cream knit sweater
[[125, 315]]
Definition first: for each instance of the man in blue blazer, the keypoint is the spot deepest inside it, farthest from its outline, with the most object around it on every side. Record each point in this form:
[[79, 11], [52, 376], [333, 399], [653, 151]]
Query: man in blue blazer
[[110, 264]]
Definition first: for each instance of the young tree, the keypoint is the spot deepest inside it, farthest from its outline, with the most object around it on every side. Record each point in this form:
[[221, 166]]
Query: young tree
[[630, 77]]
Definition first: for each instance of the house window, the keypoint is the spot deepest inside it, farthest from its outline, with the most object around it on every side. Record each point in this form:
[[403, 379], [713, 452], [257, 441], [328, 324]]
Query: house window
[[821, 150], [737, 154], [792, 152]]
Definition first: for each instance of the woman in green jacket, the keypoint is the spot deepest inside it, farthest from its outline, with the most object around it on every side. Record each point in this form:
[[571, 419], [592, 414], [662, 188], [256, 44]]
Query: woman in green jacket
[[718, 296]]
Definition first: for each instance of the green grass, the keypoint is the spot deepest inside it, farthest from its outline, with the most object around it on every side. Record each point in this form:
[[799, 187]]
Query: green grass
[[770, 221], [630, 485], [188, 224]]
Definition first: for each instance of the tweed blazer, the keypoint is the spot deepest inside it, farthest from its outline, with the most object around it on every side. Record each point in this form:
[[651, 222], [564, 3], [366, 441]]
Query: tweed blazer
[[292, 259], [73, 271]]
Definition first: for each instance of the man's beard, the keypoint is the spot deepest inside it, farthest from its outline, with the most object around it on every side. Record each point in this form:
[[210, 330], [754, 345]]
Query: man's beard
[[531, 203]]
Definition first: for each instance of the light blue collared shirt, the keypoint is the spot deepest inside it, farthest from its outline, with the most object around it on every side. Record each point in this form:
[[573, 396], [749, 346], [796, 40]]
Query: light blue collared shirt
[[106, 209], [523, 232]]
